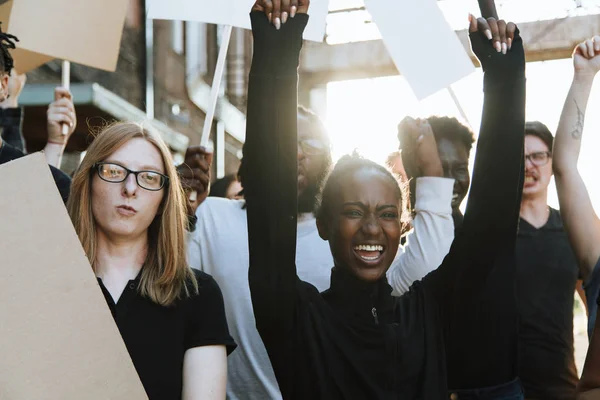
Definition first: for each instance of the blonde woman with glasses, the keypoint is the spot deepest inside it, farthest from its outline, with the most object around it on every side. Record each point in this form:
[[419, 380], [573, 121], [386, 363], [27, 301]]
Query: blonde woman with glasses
[[128, 208]]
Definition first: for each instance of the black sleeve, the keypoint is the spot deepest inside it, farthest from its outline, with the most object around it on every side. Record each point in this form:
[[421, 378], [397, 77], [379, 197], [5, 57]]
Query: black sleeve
[[490, 223], [11, 126], [206, 320], [63, 182], [269, 173]]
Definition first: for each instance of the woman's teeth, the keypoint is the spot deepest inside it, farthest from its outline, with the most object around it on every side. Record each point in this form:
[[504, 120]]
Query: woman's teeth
[[367, 247], [369, 252]]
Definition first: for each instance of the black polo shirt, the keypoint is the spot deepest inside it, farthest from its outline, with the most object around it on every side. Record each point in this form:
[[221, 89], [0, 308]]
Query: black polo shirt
[[157, 337], [547, 274]]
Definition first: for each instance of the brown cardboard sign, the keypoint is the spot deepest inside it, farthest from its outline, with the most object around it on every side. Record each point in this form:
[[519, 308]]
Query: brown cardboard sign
[[58, 339], [85, 32]]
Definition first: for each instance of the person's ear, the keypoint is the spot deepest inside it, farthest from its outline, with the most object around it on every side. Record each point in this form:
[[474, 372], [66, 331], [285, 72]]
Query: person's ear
[[4, 87]]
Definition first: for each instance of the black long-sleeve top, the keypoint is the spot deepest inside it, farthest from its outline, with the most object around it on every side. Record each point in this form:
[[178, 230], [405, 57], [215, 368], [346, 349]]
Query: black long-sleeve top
[[356, 341], [11, 127]]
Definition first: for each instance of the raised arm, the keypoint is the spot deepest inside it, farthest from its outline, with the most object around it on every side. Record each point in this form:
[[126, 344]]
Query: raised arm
[[269, 171], [492, 214], [581, 222]]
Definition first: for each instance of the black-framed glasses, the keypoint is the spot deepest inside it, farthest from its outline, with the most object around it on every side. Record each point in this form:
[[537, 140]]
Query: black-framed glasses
[[312, 147], [539, 158], [115, 173]]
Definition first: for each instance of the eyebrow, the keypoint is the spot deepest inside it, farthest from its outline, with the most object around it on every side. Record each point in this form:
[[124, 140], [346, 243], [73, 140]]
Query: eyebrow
[[361, 205], [153, 168]]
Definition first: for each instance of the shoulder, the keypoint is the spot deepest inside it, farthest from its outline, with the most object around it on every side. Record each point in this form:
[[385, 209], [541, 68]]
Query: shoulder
[[219, 204], [9, 153], [208, 289], [555, 219]]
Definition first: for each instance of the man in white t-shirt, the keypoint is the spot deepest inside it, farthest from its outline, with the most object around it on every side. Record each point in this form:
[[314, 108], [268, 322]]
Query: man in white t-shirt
[[219, 247]]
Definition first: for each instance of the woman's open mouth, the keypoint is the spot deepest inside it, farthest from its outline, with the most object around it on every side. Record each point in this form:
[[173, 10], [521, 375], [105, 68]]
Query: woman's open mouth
[[369, 253]]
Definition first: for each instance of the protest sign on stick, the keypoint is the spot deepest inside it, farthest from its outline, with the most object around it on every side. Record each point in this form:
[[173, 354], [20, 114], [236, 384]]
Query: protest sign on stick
[[58, 339], [422, 44], [229, 13], [85, 32], [214, 93]]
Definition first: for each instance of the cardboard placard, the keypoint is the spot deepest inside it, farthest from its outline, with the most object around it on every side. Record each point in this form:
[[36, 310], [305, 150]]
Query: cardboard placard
[[85, 32], [231, 12], [422, 44], [58, 339]]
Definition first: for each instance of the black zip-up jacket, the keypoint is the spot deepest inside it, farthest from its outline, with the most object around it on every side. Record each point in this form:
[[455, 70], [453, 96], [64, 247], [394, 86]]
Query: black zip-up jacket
[[356, 341]]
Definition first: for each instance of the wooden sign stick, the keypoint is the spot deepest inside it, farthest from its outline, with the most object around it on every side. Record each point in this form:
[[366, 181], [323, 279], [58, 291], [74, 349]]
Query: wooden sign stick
[[66, 83], [214, 93], [488, 8]]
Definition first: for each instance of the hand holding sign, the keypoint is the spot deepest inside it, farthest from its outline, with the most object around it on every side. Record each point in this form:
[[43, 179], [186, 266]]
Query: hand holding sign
[[195, 173], [492, 59], [278, 11], [61, 113]]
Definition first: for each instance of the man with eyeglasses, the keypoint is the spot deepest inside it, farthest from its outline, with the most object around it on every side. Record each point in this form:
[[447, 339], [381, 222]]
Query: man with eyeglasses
[[547, 277], [219, 246]]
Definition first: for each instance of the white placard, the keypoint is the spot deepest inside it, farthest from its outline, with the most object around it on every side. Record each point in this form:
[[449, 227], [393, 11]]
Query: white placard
[[422, 44], [231, 12]]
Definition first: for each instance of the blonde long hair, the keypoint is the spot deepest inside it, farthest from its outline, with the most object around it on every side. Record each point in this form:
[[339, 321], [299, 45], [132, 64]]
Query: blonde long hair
[[165, 275]]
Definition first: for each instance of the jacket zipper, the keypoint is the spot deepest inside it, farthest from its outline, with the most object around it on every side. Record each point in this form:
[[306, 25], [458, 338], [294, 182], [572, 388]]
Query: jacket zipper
[[374, 312]]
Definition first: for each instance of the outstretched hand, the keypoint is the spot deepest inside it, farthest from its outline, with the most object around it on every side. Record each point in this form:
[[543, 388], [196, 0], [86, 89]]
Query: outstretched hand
[[586, 57], [278, 11], [496, 43]]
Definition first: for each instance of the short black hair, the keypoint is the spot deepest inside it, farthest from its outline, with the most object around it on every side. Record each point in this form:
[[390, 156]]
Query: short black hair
[[452, 129], [347, 165], [447, 128], [220, 187], [538, 129], [7, 43]]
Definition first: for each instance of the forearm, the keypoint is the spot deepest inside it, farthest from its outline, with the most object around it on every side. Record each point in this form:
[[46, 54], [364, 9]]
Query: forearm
[[570, 127], [430, 240], [54, 153], [494, 201], [269, 169]]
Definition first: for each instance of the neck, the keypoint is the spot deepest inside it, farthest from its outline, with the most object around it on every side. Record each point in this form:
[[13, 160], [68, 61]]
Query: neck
[[120, 257], [534, 209]]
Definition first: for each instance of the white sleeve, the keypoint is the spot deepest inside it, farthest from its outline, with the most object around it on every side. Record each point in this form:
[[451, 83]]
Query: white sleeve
[[193, 248], [194, 239], [429, 241]]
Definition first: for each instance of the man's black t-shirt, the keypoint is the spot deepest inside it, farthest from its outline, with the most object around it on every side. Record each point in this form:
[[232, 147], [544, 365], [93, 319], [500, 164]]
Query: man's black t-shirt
[[547, 274], [157, 337], [63, 182]]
